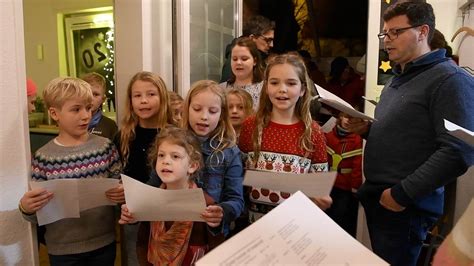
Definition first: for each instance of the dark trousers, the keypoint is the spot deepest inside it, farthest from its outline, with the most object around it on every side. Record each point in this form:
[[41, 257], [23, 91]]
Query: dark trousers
[[103, 256], [344, 210], [397, 237]]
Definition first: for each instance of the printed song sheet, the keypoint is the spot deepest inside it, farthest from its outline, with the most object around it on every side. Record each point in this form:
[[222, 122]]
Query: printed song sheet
[[71, 196], [459, 132], [339, 104], [148, 203], [296, 232], [312, 185]]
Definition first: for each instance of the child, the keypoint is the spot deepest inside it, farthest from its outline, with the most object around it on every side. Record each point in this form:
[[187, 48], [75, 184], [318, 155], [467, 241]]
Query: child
[[345, 156], [283, 111], [247, 69], [177, 157], [146, 111], [75, 153], [239, 103], [31, 95], [100, 125], [206, 114], [176, 106]]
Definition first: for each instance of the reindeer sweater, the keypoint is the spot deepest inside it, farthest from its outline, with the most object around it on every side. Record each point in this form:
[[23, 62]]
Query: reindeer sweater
[[281, 153]]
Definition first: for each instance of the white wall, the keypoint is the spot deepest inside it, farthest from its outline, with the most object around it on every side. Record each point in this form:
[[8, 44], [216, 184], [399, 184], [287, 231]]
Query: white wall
[[16, 241]]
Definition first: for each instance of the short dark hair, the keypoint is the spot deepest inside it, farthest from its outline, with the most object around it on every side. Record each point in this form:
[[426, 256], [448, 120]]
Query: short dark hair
[[257, 25], [418, 13]]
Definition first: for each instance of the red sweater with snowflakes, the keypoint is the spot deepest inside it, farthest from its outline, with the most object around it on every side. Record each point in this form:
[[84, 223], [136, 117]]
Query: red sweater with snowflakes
[[280, 152]]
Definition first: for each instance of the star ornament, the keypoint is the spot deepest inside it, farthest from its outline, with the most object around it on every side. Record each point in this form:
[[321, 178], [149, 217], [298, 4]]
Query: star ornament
[[385, 66], [387, 1]]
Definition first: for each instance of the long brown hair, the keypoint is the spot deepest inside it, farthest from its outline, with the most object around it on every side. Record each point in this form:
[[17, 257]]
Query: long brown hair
[[130, 119], [223, 134], [257, 73], [262, 117]]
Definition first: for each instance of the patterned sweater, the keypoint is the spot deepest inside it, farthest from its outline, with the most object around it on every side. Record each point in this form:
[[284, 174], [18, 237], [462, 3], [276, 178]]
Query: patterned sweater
[[97, 158], [280, 152]]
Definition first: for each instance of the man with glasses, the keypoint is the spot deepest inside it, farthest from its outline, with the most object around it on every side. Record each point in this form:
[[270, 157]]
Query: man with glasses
[[262, 31], [409, 156]]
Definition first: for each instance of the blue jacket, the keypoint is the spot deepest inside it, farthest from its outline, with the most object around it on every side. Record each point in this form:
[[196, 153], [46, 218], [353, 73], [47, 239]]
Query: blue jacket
[[222, 178], [408, 149]]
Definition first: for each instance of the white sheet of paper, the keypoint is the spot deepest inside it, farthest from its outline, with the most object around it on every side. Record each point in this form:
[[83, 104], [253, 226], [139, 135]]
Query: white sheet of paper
[[329, 125], [459, 132], [313, 184], [296, 232], [339, 104], [64, 203], [92, 192], [148, 203]]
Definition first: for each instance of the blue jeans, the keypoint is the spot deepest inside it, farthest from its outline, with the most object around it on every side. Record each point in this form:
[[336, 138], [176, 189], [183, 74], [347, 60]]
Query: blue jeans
[[344, 210], [397, 237], [103, 256]]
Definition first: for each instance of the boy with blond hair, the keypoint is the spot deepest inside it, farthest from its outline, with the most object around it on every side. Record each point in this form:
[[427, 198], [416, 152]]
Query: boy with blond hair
[[99, 125], [74, 153]]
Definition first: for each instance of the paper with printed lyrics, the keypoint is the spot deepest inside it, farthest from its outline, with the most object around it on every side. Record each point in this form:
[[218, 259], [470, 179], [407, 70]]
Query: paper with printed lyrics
[[296, 232], [92, 192], [63, 204], [147, 203], [459, 132], [312, 184], [339, 104], [72, 196]]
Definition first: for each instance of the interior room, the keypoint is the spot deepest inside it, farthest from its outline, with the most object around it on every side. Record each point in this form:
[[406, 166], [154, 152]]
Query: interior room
[[182, 41]]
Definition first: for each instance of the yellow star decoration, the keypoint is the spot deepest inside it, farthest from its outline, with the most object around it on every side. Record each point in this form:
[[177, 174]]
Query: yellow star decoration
[[385, 65], [387, 1]]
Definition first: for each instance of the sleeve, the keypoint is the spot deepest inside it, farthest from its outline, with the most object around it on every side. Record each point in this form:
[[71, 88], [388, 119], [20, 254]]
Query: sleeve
[[452, 100], [232, 192], [319, 158], [115, 165], [356, 174]]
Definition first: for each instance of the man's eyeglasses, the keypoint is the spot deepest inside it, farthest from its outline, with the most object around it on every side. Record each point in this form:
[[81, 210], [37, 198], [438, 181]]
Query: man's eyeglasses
[[392, 34], [267, 39]]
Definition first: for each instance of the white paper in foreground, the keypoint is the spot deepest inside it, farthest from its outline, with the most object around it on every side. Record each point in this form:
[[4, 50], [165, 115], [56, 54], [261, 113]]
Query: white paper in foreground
[[64, 203], [339, 104], [91, 192], [71, 196], [312, 184], [459, 132], [148, 203], [296, 232]]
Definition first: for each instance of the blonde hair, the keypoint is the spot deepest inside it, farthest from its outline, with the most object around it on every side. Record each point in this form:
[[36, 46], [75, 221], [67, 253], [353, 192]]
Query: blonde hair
[[130, 119], [224, 133], [59, 90], [181, 137], [246, 99], [262, 117], [94, 77]]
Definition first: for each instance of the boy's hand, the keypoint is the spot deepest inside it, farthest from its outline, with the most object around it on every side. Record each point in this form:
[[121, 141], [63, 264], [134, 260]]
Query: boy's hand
[[323, 202], [213, 215], [116, 194], [125, 216], [35, 199]]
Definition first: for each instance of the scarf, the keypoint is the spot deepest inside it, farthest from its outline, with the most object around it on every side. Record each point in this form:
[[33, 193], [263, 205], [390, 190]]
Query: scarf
[[169, 247], [95, 119]]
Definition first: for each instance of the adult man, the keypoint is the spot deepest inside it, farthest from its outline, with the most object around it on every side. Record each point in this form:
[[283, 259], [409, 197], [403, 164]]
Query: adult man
[[409, 156], [261, 30]]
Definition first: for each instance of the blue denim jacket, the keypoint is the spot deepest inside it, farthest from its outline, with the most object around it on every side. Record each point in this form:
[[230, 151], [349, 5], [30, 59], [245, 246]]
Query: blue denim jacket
[[222, 178]]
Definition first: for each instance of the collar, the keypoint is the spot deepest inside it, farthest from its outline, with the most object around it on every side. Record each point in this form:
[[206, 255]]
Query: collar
[[429, 58]]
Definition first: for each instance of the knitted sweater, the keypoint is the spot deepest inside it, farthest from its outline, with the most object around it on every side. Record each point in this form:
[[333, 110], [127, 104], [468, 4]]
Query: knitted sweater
[[280, 152], [96, 158]]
